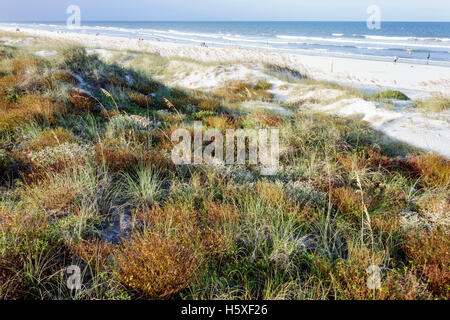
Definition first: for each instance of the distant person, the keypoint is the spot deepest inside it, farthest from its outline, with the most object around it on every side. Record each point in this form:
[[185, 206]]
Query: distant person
[[395, 59], [428, 58]]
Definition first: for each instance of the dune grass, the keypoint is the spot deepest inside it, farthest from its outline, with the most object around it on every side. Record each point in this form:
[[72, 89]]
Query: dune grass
[[77, 157], [435, 103]]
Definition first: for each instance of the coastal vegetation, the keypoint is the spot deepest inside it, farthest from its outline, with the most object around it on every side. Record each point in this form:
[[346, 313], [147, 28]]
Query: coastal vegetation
[[87, 180]]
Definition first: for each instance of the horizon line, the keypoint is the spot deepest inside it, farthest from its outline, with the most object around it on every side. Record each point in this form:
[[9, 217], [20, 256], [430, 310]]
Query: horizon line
[[285, 20]]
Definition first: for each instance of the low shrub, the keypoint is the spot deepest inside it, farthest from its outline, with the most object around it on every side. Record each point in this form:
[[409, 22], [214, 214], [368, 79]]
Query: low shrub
[[80, 100], [263, 85], [389, 94], [348, 202], [29, 109], [54, 159], [429, 252], [203, 114], [116, 158], [433, 169], [156, 266]]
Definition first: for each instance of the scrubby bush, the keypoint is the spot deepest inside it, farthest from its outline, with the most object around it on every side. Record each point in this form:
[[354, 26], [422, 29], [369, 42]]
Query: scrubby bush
[[156, 266], [203, 114], [429, 252], [350, 202], [80, 100], [389, 94], [55, 158], [29, 109], [433, 169]]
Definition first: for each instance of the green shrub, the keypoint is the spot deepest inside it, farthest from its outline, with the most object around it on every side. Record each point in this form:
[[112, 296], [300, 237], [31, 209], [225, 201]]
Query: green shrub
[[389, 94]]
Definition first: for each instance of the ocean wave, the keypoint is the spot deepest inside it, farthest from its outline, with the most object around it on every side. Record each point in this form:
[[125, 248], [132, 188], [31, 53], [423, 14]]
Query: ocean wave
[[361, 42], [202, 35], [406, 38]]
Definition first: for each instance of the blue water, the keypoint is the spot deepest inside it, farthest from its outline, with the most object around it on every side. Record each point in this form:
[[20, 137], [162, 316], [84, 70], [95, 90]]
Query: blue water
[[410, 41]]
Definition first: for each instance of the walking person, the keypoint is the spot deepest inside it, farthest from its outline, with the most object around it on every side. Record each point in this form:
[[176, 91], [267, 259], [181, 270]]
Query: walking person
[[428, 58], [395, 59]]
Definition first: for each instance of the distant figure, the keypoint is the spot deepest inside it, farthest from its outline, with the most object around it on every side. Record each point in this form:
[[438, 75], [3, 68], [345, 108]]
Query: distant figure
[[203, 44], [395, 59], [428, 58]]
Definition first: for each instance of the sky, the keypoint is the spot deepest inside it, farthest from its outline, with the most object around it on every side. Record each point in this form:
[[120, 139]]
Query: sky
[[224, 10]]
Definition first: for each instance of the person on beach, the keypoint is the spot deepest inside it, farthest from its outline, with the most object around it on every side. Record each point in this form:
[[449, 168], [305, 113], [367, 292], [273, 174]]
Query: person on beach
[[428, 58], [395, 59]]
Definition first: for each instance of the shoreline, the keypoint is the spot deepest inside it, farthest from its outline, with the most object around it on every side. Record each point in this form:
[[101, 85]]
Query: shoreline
[[368, 75]]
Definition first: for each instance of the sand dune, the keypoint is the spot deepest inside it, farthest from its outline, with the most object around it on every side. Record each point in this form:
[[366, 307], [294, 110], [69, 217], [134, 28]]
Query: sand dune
[[415, 80]]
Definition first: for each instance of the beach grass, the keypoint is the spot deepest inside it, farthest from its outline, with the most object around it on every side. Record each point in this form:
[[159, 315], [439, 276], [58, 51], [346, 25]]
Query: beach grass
[[435, 103], [87, 180]]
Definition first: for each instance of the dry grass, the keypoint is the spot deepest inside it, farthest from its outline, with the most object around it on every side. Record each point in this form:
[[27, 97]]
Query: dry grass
[[49, 138], [209, 105], [268, 119], [63, 76], [21, 64], [96, 253], [240, 91], [436, 103], [54, 198], [116, 158], [222, 122], [140, 99]]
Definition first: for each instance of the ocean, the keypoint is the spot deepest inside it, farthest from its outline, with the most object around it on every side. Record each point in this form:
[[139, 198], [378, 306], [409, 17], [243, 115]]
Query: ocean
[[412, 42]]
